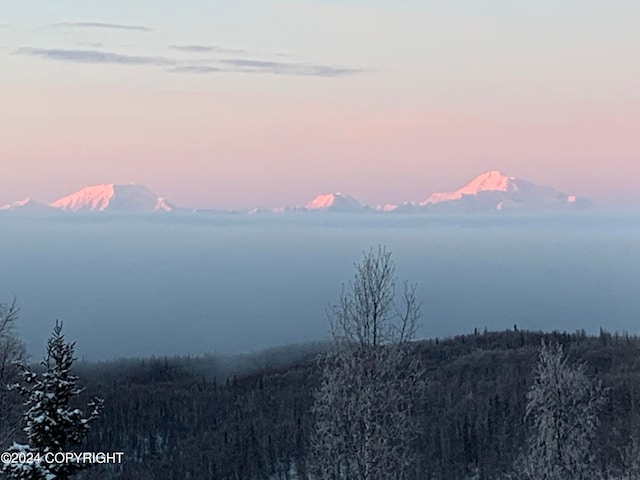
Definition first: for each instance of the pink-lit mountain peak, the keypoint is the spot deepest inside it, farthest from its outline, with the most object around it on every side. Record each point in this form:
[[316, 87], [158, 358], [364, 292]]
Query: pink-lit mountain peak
[[493, 180], [112, 197], [93, 198], [334, 202]]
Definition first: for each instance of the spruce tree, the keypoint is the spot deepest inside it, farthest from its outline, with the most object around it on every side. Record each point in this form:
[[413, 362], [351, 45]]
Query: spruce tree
[[51, 424]]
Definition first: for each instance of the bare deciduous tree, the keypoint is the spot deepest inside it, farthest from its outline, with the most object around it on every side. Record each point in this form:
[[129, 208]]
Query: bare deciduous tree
[[562, 406], [364, 426], [12, 350], [629, 462]]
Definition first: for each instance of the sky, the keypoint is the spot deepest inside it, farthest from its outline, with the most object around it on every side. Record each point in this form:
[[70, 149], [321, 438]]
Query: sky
[[261, 103]]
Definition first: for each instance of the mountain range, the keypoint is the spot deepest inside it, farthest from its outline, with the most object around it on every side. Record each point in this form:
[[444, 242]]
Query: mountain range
[[491, 191]]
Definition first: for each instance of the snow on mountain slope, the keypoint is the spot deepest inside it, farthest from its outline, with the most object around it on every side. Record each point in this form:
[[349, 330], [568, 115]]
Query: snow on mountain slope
[[494, 191], [27, 205], [113, 198], [335, 202], [489, 181]]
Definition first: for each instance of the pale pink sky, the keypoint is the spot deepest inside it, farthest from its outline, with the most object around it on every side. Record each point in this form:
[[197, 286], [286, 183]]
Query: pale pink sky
[[384, 103]]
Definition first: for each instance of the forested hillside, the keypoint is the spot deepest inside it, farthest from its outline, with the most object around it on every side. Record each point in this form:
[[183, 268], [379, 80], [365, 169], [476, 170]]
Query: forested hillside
[[190, 418]]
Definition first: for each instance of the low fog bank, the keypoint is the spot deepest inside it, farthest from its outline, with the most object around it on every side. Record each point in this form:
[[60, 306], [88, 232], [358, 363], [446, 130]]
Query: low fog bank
[[168, 285], [207, 367]]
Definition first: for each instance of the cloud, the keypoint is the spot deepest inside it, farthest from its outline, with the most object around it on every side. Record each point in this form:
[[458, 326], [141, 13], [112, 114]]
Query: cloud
[[204, 49], [111, 26], [239, 65], [93, 56], [90, 44], [195, 69], [236, 65], [288, 68]]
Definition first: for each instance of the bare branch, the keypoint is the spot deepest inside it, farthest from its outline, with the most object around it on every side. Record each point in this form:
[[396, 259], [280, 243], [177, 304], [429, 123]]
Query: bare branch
[[364, 425]]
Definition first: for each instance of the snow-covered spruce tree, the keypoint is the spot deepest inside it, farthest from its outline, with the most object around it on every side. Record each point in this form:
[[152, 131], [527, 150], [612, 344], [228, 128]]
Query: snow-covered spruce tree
[[363, 424], [562, 407], [51, 423]]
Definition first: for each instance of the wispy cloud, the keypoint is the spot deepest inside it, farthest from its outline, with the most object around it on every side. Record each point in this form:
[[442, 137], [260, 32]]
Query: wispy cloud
[[237, 65], [90, 44], [93, 56], [288, 68], [195, 69], [204, 49], [111, 26]]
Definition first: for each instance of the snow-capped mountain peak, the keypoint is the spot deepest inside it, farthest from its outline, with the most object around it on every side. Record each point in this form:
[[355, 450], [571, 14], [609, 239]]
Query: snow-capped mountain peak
[[93, 198], [336, 202], [495, 191], [111, 197], [493, 180]]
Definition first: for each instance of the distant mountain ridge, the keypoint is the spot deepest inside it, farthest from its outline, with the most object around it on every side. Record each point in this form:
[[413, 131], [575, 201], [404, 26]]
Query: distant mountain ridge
[[27, 205], [490, 181], [335, 202], [491, 191], [112, 197]]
